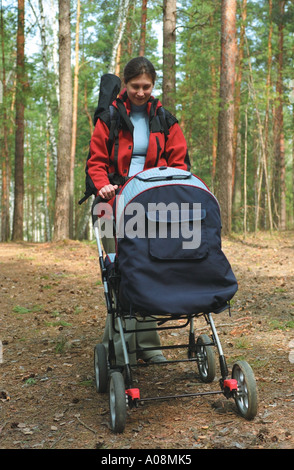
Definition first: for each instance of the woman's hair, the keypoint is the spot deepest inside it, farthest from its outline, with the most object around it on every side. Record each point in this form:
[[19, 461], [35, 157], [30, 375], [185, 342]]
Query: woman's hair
[[138, 66]]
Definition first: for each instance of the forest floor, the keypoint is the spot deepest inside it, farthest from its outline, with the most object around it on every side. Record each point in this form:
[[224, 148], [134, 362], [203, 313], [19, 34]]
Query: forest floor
[[52, 314]]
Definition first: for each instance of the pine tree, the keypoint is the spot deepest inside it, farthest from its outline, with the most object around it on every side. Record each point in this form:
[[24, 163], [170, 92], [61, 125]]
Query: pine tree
[[61, 220], [19, 131], [226, 113]]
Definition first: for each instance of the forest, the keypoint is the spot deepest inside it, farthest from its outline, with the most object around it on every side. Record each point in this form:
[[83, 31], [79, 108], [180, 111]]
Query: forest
[[224, 68]]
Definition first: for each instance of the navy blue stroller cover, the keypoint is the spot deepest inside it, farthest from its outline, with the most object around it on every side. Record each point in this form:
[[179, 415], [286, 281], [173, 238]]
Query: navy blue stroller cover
[[168, 234]]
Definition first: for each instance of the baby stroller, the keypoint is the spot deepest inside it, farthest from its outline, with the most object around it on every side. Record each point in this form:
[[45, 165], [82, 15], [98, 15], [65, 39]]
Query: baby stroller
[[169, 266]]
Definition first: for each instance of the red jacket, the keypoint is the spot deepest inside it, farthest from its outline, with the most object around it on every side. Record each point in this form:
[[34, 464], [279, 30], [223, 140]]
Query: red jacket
[[162, 151]]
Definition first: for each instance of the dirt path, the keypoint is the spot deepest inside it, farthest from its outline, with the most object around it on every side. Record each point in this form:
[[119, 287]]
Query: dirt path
[[52, 314]]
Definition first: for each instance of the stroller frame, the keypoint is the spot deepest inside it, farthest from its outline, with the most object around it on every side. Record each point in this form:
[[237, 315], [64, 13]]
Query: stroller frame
[[109, 376]]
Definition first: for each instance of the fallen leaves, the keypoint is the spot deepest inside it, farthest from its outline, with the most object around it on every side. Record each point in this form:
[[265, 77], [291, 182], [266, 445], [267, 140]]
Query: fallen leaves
[[24, 428], [49, 400], [4, 396]]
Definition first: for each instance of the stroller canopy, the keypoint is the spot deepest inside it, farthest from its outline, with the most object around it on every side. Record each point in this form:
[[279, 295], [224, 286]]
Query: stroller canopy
[[168, 233]]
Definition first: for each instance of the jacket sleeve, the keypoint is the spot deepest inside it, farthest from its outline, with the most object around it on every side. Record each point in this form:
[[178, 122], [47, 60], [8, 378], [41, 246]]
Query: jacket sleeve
[[176, 150], [98, 163]]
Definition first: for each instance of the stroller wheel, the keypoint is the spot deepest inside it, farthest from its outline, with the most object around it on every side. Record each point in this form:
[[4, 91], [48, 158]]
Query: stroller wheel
[[100, 368], [246, 397], [117, 402], [205, 359]]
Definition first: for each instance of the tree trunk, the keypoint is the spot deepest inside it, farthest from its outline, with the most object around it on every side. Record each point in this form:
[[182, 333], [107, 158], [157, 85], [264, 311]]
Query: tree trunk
[[213, 120], [19, 131], [261, 138], [61, 217], [214, 124], [74, 127], [226, 113], [54, 26], [119, 30], [169, 54], [51, 145], [245, 172], [52, 140], [259, 175], [131, 29], [46, 194], [5, 231], [280, 139], [293, 166], [267, 110], [268, 78], [238, 88], [143, 28]]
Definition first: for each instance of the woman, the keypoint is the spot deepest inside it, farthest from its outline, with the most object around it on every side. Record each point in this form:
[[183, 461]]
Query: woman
[[141, 145]]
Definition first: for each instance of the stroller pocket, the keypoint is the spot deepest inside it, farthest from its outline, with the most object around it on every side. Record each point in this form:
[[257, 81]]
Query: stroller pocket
[[177, 234]]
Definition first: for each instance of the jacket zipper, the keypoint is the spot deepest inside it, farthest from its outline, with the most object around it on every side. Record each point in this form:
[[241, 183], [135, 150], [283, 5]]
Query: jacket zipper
[[158, 151]]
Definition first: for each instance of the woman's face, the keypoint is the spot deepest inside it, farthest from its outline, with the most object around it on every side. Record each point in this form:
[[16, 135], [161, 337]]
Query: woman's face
[[139, 89]]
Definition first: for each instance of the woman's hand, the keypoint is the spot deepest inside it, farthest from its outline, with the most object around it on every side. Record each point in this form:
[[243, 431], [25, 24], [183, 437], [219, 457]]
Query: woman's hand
[[108, 191]]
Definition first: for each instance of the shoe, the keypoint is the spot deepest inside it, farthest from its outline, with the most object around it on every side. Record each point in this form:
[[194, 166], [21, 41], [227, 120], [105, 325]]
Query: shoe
[[156, 359]]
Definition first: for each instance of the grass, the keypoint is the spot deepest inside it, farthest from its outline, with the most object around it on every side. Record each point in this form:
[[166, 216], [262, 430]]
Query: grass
[[30, 381], [86, 383], [278, 325], [23, 310], [61, 346], [58, 323], [78, 309], [243, 343]]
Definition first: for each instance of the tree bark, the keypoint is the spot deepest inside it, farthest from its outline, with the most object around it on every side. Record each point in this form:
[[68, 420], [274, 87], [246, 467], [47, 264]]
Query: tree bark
[[293, 166], [143, 28], [169, 54], [226, 113], [54, 26], [74, 126], [267, 110], [279, 115], [213, 120], [268, 78], [46, 191], [61, 216], [214, 123], [5, 229], [17, 234], [238, 88], [245, 172], [119, 30]]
